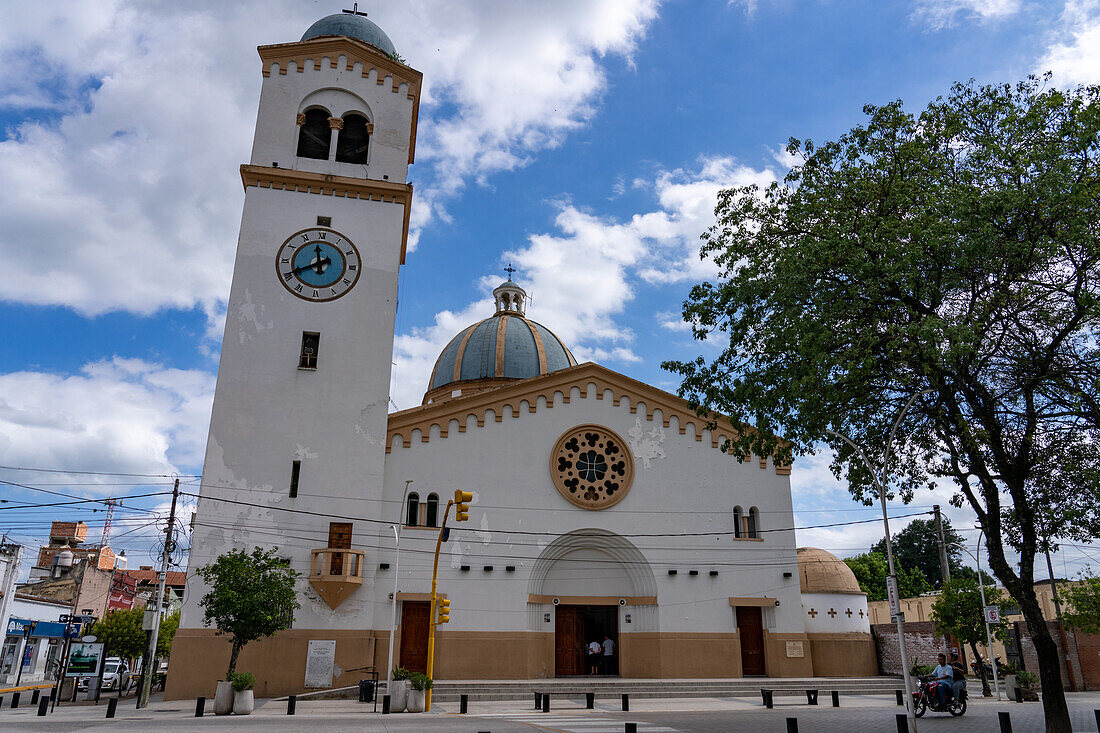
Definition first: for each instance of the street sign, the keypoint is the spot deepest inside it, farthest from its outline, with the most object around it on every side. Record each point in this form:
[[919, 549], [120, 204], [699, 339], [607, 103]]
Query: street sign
[[892, 595], [63, 618], [992, 614]]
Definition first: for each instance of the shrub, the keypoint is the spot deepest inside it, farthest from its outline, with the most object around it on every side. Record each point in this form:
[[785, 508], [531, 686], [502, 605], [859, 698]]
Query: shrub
[[400, 673], [242, 681], [420, 681], [1026, 679]]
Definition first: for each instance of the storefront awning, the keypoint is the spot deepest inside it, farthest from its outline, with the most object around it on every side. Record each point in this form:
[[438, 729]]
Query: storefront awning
[[50, 629]]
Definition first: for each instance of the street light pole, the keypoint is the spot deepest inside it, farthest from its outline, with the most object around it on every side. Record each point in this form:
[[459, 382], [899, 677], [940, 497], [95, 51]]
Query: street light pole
[[881, 482], [396, 567], [988, 636]]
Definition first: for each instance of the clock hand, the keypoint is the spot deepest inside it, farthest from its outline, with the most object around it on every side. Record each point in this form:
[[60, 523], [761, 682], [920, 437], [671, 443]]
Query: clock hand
[[326, 261]]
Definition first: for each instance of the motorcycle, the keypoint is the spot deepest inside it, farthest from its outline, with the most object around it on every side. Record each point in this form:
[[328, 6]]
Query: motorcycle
[[985, 670], [926, 697]]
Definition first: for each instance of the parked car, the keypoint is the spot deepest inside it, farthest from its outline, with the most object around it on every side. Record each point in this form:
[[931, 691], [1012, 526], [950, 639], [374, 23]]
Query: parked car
[[115, 672]]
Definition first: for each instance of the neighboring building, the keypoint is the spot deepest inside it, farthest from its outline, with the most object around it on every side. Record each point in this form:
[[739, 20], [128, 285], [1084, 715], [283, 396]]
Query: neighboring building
[[83, 586], [134, 588], [835, 614], [42, 654], [604, 507], [71, 536]]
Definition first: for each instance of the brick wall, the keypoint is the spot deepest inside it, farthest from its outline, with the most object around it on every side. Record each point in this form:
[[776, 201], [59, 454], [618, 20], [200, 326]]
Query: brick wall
[[922, 645], [1084, 655]]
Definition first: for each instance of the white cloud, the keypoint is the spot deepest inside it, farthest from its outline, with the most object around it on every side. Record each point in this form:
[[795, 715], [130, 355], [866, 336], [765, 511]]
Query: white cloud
[[124, 184], [583, 275], [1077, 60], [122, 415], [939, 14], [673, 321]]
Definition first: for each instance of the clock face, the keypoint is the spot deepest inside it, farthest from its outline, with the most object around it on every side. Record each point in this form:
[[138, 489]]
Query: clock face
[[318, 264]]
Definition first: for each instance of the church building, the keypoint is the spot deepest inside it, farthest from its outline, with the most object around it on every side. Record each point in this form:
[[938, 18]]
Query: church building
[[603, 507]]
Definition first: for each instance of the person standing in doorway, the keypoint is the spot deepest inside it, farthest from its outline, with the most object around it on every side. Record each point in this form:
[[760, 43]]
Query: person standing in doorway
[[594, 650], [608, 654]]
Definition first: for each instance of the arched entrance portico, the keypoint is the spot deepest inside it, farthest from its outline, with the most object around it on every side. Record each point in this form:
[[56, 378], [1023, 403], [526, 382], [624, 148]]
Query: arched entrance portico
[[596, 585]]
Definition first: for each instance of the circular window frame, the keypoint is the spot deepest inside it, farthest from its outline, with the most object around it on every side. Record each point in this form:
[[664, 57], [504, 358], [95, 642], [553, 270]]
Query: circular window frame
[[559, 479]]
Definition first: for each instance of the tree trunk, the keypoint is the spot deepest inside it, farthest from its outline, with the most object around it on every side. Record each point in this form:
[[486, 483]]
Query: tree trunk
[[233, 658], [1050, 672], [981, 670]]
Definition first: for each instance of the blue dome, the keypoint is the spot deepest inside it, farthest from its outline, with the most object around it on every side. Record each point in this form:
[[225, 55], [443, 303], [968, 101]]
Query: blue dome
[[506, 347], [352, 26]]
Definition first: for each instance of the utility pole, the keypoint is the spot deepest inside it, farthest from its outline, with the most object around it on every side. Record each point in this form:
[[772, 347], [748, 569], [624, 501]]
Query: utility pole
[[945, 566], [147, 673]]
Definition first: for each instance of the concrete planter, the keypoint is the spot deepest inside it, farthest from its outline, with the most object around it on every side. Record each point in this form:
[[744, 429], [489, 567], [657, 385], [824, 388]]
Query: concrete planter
[[399, 695], [223, 699], [416, 701], [243, 702]]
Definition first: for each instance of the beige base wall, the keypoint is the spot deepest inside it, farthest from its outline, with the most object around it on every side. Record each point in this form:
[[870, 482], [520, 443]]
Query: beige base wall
[[200, 657], [776, 661], [843, 655]]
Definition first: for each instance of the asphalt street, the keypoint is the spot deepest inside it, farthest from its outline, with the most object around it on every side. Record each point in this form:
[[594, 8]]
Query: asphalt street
[[694, 715]]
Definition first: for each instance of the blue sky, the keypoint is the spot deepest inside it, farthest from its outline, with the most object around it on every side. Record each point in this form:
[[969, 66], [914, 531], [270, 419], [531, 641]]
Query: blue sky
[[581, 141]]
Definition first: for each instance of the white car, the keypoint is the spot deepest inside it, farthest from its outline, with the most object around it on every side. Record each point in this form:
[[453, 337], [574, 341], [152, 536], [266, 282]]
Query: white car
[[115, 671]]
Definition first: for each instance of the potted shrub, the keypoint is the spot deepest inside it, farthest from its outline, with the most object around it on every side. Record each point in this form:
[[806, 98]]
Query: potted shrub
[[1026, 681], [223, 698], [398, 689], [243, 701], [420, 684]]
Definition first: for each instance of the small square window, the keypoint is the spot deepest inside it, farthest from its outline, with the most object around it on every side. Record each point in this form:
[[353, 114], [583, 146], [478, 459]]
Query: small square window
[[324, 221], [310, 343]]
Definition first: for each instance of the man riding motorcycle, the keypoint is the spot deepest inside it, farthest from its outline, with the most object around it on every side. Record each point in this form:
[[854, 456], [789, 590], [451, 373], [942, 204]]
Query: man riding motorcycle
[[945, 678]]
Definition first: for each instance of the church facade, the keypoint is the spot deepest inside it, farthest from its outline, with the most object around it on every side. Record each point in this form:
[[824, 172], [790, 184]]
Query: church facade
[[603, 507]]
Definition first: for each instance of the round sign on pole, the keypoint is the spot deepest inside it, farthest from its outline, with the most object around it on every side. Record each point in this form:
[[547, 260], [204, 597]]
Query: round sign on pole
[[992, 614], [89, 639]]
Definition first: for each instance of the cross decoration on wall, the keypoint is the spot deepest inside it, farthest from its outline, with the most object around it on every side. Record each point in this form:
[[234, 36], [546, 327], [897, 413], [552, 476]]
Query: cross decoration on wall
[[849, 612], [832, 613], [813, 613]]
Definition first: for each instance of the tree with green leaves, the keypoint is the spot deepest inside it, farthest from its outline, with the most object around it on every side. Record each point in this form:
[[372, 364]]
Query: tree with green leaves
[[121, 633], [1082, 601], [917, 546], [946, 261], [959, 613], [871, 570], [251, 596], [169, 625]]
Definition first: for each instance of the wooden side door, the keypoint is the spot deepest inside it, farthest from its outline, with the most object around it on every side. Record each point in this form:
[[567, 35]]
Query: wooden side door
[[750, 628], [414, 635], [339, 537], [568, 634]]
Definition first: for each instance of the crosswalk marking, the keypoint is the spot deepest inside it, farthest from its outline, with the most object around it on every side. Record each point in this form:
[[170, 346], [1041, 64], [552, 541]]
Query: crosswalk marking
[[578, 723]]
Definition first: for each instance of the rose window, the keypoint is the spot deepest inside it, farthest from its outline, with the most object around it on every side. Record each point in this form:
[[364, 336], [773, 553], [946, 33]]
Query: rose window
[[591, 467]]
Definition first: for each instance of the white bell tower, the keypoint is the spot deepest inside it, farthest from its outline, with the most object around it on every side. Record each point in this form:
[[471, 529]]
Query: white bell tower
[[300, 410]]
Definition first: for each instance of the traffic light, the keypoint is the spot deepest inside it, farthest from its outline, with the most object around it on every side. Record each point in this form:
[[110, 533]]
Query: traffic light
[[443, 610], [462, 506]]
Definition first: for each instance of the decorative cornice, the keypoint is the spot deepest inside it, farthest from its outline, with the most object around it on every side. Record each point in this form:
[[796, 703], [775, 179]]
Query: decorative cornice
[[330, 48], [285, 179], [593, 600], [547, 386]]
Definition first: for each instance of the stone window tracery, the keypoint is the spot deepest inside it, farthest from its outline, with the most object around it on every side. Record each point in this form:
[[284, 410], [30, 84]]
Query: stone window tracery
[[591, 467]]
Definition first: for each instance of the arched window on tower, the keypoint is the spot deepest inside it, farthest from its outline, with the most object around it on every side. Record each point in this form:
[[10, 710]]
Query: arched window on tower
[[753, 529], [353, 140], [738, 529], [412, 514], [431, 510], [314, 135]]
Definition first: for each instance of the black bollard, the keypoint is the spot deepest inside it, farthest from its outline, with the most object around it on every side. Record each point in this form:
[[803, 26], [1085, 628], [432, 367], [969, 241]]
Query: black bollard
[[626, 703], [1006, 722], [836, 698], [200, 707], [15, 700], [43, 707], [463, 703], [903, 723], [111, 705], [631, 728], [34, 697], [546, 702], [589, 700], [898, 693], [768, 701], [1019, 694], [386, 704], [792, 725], [291, 704], [1097, 714], [538, 700]]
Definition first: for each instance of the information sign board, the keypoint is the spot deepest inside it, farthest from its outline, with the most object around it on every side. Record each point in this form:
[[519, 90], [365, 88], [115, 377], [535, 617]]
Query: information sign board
[[84, 659]]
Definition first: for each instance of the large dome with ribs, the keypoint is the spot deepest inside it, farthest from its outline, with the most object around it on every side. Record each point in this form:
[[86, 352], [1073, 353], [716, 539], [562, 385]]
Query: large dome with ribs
[[500, 349]]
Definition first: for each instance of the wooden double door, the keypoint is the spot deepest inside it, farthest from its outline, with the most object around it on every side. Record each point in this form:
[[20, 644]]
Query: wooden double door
[[574, 628], [750, 629]]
